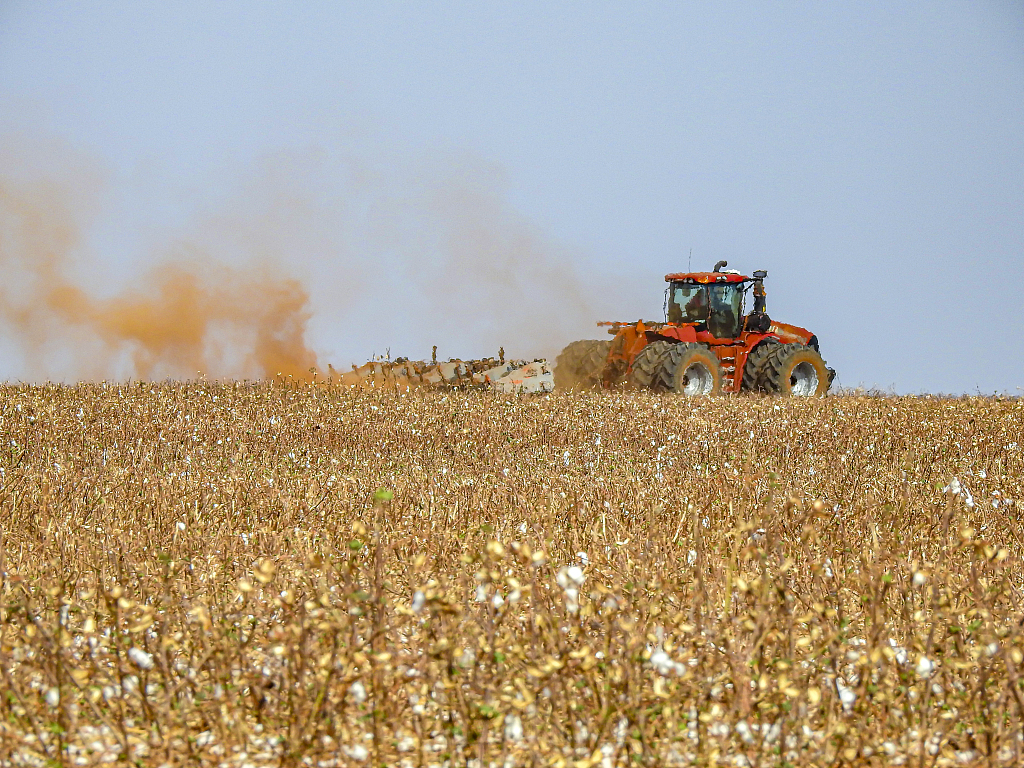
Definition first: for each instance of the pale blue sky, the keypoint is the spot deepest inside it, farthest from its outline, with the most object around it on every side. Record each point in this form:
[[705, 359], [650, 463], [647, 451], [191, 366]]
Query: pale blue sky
[[401, 158]]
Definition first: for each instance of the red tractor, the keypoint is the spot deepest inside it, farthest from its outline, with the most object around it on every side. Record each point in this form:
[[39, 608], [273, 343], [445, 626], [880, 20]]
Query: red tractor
[[706, 345]]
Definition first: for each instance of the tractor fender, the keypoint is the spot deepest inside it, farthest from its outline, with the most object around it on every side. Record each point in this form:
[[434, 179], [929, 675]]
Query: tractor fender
[[790, 334], [675, 333]]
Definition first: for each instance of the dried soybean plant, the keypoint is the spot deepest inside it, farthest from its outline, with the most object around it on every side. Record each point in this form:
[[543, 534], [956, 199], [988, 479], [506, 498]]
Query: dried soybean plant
[[288, 574]]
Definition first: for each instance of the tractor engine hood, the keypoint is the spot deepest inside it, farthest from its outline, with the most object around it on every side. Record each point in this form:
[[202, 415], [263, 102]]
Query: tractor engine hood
[[791, 334]]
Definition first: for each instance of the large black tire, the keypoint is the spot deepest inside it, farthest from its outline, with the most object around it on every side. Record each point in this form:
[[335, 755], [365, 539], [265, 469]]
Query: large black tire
[[682, 368], [795, 370], [755, 364], [648, 365], [693, 369], [581, 364]]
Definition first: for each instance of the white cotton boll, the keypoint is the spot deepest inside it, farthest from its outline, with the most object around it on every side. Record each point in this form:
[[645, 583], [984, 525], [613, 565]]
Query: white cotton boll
[[846, 695], [584, 557], [140, 658], [418, 601], [953, 487], [513, 728], [664, 664], [565, 457], [357, 692], [925, 667], [919, 579], [357, 752], [743, 729], [562, 578], [522, 528], [52, 697], [572, 597], [899, 651], [497, 601], [621, 729], [691, 557], [481, 594], [719, 730]]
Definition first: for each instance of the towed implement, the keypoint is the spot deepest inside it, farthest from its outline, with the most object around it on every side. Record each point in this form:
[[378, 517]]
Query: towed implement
[[514, 376], [707, 345]]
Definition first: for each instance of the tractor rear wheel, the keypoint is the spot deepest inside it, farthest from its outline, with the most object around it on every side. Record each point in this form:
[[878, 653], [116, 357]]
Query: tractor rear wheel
[[795, 370], [755, 364], [580, 364], [692, 369], [684, 368], [648, 365]]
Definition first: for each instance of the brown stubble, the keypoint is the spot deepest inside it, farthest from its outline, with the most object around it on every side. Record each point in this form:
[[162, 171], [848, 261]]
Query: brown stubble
[[734, 602]]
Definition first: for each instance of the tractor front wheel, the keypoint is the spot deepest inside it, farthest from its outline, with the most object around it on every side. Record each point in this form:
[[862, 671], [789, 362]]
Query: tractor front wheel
[[795, 370], [580, 365]]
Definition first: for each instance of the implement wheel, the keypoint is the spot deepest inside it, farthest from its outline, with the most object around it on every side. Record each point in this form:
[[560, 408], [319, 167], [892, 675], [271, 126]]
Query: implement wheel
[[795, 370], [580, 365]]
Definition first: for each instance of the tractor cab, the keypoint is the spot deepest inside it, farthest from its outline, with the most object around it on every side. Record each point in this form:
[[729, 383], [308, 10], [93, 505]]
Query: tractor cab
[[714, 301]]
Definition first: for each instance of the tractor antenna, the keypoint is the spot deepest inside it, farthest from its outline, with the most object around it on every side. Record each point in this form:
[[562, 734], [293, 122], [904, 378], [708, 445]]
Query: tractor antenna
[[689, 264]]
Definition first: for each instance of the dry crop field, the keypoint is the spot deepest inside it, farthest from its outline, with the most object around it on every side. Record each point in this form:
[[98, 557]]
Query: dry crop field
[[286, 574]]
